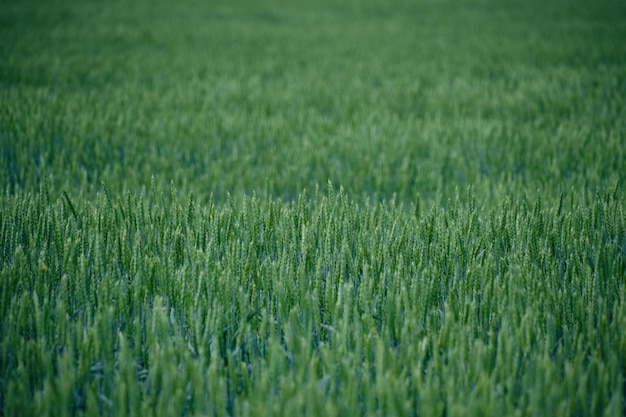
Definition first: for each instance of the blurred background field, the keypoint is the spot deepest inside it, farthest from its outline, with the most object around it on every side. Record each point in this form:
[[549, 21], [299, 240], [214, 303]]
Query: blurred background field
[[382, 97]]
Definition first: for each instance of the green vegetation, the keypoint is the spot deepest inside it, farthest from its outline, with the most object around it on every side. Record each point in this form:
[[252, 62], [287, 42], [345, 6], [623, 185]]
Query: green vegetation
[[410, 208]]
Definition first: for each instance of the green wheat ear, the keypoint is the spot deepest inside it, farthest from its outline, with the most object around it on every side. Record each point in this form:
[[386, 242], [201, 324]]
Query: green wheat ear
[[71, 206]]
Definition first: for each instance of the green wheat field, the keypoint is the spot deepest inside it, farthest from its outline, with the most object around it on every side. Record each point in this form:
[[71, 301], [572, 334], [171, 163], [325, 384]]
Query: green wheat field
[[313, 208]]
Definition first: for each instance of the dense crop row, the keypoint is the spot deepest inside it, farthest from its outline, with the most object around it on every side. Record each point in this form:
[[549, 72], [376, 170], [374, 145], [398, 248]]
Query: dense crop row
[[129, 304]]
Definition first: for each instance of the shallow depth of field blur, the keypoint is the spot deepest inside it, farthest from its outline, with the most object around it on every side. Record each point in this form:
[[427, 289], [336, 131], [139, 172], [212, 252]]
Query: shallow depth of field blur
[[410, 208]]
